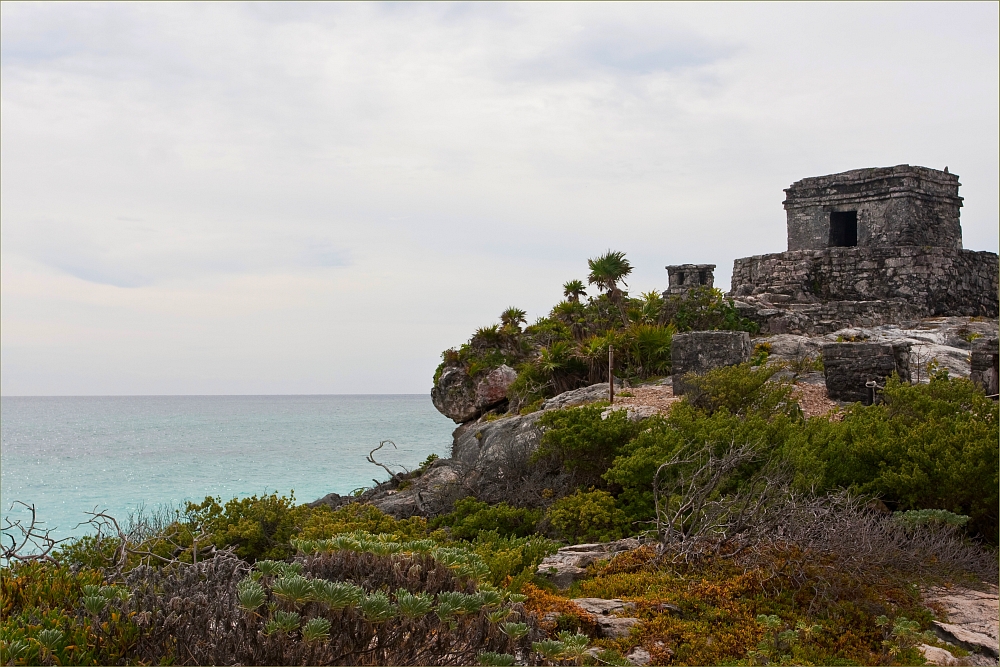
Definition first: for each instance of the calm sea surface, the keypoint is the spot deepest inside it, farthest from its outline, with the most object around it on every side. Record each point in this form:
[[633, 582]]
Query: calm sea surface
[[67, 455]]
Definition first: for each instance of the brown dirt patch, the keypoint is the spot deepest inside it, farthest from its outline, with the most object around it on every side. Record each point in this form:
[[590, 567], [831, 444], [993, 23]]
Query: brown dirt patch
[[813, 400], [658, 396]]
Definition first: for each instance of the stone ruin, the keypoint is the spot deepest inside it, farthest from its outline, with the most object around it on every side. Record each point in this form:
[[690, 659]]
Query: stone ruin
[[701, 351], [867, 247], [850, 367], [683, 277], [985, 367]]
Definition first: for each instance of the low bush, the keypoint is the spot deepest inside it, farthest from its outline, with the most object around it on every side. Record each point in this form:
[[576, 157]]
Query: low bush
[[584, 442], [588, 516], [471, 516]]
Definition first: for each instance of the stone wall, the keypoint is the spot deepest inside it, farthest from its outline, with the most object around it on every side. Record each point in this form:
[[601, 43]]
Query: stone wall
[[934, 280], [848, 367], [701, 351], [895, 206], [821, 318], [683, 277]]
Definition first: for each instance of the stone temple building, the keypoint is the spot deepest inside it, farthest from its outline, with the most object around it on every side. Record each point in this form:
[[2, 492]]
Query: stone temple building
[[868, 247]]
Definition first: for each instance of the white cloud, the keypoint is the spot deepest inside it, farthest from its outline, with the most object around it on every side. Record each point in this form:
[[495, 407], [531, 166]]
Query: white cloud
[[319, 198]]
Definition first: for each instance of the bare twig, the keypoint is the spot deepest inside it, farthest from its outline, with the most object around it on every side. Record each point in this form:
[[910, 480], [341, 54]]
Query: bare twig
[[33, 544]]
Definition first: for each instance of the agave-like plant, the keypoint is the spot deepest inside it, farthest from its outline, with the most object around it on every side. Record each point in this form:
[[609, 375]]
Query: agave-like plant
[[377, 608], [491, 659], [420, 546], [94, 604], [472, 603], [380, 548], [491, 597], [283, 621], [550, 649], [514, 630], [575, 645], [517, 598], [50, 638], [306, 547], [498, 616], [413, 605], [337, 594], [295, 589], [269, 568], [90, 590], [250, 594], [12, 650], [474, 569], [342, 543], [316, 629]]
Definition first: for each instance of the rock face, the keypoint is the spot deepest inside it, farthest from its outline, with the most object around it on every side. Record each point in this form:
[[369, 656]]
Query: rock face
[[972, 619], [984, 368], [461, 399], [850, 366], [701, 351], [609, 625], [570, 563]]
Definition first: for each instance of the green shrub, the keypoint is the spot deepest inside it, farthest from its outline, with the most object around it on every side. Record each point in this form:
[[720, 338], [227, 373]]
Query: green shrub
[[471, 516], [704, 309], [583, 442], [588, 516], [323, 522], [742, 390], [259, 527], [633, 469], [511, 560], [930, 446]]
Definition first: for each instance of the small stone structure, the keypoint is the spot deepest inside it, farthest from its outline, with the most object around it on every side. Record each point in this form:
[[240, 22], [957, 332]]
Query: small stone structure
[[985, 371], [848, 367], [683, 277], [872, 208], [701, 351], [868, 247]]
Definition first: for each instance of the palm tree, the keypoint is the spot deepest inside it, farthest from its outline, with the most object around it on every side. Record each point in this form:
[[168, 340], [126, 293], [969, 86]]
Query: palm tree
[[573, 290], [512, 317], [605, 272]]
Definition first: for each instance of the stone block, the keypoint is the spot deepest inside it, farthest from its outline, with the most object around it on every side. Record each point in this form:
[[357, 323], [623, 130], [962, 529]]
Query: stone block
[[701, 351], [848, 367], [984, 365]]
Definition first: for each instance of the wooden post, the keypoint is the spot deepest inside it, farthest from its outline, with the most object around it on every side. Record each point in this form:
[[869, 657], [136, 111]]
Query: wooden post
[[611, 374]]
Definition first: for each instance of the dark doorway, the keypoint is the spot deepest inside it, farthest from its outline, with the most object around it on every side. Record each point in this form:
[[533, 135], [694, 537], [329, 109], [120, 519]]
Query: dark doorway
[[843, 229]]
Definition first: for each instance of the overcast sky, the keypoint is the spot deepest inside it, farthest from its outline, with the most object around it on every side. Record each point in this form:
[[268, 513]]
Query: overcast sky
[[281, 198]]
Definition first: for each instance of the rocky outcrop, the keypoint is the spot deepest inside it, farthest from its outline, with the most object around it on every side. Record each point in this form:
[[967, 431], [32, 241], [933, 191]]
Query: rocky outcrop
[[462, 399], [984, 364], [570, 563], [971, 623], [609, 614]]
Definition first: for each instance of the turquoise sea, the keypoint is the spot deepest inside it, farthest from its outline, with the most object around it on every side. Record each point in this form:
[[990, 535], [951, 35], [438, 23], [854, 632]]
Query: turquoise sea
[[67, 455]]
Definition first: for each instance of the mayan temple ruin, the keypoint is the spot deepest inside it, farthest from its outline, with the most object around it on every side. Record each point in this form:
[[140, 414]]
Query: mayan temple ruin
[[868, 247]]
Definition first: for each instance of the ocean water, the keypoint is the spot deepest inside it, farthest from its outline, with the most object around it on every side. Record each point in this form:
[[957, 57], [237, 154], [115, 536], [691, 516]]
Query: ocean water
[[68, 455]]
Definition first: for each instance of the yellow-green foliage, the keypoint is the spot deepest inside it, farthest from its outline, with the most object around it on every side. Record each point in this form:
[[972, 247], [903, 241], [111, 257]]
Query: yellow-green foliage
[[259, 527], [43, 618], [512, 560], [323, 522], [589, 516]]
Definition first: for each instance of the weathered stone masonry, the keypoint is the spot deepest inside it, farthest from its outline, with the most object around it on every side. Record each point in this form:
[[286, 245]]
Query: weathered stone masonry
[[866, 247], [937, 281]]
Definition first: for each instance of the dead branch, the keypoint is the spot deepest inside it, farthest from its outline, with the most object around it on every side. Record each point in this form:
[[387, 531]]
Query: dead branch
[[33, 544]]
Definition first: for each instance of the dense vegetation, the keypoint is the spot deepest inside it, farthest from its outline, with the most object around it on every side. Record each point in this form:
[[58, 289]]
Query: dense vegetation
[[768, 538], [265, 580], [569, 347]]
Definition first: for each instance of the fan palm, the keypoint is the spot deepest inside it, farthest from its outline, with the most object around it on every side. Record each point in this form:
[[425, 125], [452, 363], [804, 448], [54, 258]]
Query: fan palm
[[512, 317], [573, 290], [606, 272]]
